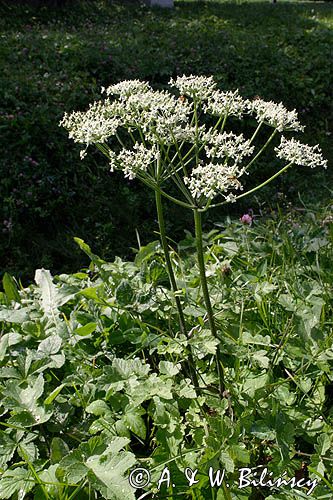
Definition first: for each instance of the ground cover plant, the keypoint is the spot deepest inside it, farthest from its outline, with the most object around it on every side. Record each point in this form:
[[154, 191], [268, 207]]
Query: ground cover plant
[[59, 58], [154, 378], [91, 368]]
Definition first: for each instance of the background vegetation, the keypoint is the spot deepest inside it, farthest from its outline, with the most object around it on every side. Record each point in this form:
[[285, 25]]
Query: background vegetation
[[56, 59]]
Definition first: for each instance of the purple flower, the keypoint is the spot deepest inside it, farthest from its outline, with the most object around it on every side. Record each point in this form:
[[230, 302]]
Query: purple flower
[[246, 219]]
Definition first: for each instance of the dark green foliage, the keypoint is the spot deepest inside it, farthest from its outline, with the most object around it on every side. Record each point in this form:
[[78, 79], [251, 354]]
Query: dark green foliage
[[92, 380], [56, 60]]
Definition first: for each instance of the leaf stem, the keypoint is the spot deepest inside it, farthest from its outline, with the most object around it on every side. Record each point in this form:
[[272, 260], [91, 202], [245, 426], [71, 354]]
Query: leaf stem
[[182, 324], [204, 285]]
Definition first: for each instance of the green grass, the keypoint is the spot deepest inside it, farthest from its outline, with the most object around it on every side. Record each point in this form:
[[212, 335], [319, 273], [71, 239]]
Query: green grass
[[56, 60]]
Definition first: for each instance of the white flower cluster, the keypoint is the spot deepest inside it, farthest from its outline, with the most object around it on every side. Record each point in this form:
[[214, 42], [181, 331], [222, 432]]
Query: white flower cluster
[[226, 103], [93, 126], [127, 87], [133, 161], [158, 114], [200, 87], [275, 115], [226, 145], [211, 179], [300, 154]]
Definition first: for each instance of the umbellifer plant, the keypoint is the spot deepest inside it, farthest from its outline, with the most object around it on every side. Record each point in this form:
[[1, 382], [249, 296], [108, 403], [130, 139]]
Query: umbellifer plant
[[186, 139]]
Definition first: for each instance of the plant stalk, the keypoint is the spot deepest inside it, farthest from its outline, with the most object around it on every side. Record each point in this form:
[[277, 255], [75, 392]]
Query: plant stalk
[[203, 279], [182, 324]]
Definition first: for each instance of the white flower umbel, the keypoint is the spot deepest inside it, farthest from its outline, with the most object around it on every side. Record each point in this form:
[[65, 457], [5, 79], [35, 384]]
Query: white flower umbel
[[128, 87], [275, 115], [225, 103], [132, 162], [93, 126], [158, 114], [199, 87], [300, 154], [206, 181], [226, 145]]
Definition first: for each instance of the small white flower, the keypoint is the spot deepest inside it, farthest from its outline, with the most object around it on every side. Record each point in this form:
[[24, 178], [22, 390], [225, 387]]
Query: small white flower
[[133, 161], [275, 115], [93, 126], [209, 180], [156, 113], [83, 153], [128, 87], [200, 87], [226, 145], [225, 103], [300, 154]]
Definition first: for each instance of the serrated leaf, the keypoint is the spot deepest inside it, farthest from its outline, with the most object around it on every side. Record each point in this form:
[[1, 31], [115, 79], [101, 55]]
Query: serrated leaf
[[168, 368], [12, 481], [324, 444], [135, 423], [262, 431], [227, 461], [146, 251]]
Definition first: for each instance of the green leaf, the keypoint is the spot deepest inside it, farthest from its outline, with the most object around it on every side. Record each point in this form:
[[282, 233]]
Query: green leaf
[[59, 449], [135, 423], [12, 481], [146, 251], [14, 315], [255, 382], [10, 288], [110, 469], [324, 444], [7, 340], [98, 408], [50, 345], [87, 250], [86, 329], [227, 461], [49, 295], [261, 430], [51, 397], [168, 368], [7, 448]]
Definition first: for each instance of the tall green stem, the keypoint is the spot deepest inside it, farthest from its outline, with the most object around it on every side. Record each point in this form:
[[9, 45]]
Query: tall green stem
[[203, 279], [182, 324]]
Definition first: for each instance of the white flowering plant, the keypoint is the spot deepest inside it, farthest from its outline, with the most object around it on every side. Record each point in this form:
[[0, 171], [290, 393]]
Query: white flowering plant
[[183, 135]]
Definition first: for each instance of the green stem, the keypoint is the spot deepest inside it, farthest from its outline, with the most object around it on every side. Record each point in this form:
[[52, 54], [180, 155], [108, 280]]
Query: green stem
[[182, 324], [262, 149], [203, 279], [255, 188]]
